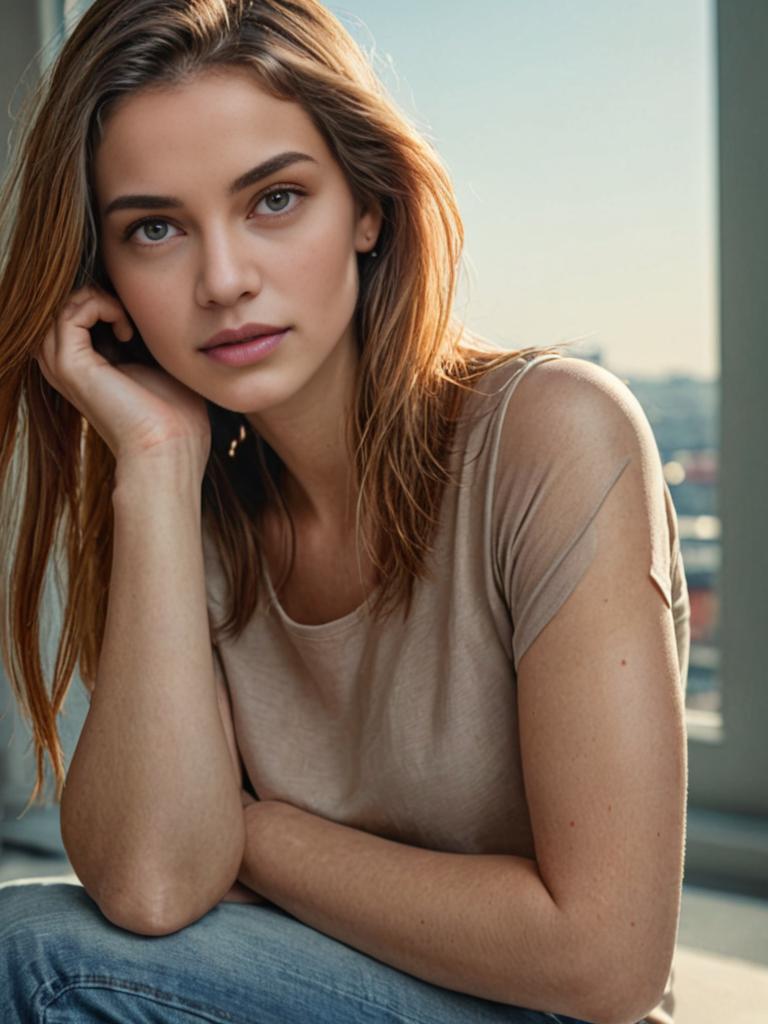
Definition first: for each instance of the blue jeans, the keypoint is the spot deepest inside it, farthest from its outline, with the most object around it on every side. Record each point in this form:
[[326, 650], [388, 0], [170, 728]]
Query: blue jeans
[[63, 962]]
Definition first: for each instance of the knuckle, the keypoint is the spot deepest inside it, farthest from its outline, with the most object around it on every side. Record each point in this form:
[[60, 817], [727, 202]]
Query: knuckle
[[77, 299]]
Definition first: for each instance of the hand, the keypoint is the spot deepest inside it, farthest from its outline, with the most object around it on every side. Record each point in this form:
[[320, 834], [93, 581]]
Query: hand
[[135, 408]]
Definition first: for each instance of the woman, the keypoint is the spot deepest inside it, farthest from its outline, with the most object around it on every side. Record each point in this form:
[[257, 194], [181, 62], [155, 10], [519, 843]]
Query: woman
[[384, 627]]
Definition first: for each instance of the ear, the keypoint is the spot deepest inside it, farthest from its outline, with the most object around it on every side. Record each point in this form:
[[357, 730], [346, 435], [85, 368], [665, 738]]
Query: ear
[[369, 221]]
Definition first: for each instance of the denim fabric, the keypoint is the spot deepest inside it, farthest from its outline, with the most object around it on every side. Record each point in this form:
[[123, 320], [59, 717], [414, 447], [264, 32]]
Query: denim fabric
[[63, 962]]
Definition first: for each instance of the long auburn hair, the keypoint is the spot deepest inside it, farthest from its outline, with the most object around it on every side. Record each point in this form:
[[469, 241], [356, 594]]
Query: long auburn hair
[[416, 359]]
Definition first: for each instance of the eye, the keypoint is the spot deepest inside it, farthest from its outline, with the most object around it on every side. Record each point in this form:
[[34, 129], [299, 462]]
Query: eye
[[279, 195], [150, 223]]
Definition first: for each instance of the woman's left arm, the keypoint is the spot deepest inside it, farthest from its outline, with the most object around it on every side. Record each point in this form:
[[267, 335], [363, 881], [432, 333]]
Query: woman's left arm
[[588, 928]]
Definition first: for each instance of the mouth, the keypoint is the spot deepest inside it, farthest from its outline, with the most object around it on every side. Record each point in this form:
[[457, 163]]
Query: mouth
[[240, 341], [246, 351], [240, 335]]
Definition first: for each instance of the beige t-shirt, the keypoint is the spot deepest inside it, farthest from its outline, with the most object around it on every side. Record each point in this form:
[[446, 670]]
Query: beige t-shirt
[[409, 730]]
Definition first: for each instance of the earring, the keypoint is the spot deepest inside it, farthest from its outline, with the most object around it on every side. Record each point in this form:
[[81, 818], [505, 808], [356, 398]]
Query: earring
[[236, 441], [373, 254]]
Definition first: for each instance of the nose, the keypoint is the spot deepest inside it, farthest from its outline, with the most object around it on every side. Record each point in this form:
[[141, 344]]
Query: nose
[[228, 270]]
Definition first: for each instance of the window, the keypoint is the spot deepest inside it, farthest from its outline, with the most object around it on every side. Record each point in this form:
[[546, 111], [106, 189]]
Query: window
[[582, 148]]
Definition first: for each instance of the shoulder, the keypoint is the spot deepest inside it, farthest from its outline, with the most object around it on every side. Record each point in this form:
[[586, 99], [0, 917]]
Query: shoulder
[[574, 388], [569, 404]]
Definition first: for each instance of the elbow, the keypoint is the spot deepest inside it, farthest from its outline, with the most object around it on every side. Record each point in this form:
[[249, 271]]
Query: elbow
[[624, 1017], [154, 899], [141, 908], [139, 920], [622, 994], [166, 914], [154, 915], [156, 910]]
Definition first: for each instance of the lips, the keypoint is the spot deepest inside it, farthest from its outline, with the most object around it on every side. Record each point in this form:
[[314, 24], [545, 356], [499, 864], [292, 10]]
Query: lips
[[227, 344], [247, 332], [246, 353]]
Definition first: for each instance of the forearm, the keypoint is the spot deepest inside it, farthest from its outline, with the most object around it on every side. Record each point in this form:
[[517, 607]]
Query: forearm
[[479, 924], [151, 810]]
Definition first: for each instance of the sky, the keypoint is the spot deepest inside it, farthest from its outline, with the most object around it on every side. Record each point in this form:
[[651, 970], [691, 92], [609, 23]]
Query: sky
[[580, 136]]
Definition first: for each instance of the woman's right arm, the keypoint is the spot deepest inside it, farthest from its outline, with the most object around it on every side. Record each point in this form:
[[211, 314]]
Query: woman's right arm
[[151, 814]]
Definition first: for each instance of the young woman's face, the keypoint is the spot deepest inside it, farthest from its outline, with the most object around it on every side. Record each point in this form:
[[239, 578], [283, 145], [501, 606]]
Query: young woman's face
[[280, 251]]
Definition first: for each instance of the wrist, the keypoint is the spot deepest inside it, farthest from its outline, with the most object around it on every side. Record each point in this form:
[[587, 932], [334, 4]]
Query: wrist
[[158, 478], [262, 838]]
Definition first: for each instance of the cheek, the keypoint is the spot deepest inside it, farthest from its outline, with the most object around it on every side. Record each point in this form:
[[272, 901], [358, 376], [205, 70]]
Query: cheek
[[150, 307], [130, 291], [326, 272], [146, 296]]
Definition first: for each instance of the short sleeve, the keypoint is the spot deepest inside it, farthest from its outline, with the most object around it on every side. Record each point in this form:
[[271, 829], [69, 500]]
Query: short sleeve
[[564, 437]]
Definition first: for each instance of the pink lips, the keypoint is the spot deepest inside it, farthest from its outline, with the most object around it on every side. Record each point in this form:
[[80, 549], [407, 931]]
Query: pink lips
[[244, 333], [246, 352]]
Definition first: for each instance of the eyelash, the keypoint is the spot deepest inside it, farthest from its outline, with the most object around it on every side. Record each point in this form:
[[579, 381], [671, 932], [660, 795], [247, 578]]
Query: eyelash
[[275, 189]]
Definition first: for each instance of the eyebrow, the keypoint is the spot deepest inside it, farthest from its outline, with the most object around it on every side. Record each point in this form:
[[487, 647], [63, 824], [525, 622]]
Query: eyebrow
[[256, 174]]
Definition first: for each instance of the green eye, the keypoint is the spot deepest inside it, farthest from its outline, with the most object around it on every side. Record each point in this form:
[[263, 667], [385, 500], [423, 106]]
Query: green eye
[[150, 224], [280, 197]]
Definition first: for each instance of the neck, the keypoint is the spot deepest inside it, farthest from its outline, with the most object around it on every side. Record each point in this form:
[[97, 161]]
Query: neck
[[309, 434]]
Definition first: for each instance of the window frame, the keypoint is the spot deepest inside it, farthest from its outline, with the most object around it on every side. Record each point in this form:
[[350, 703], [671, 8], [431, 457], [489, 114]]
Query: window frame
[[727, 752]]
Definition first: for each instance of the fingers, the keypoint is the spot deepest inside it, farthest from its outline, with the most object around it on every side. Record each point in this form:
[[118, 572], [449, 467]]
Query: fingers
[[67, 351], [82, 310], [82, 304]]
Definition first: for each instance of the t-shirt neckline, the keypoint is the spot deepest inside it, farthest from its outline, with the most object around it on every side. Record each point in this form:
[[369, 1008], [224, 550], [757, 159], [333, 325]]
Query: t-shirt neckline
[[319, 630]]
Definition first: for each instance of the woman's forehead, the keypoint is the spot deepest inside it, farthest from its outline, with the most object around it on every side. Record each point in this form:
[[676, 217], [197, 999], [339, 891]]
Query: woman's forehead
[[225, 120]]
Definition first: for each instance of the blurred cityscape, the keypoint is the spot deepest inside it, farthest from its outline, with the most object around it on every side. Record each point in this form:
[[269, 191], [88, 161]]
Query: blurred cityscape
[[684, 414]]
